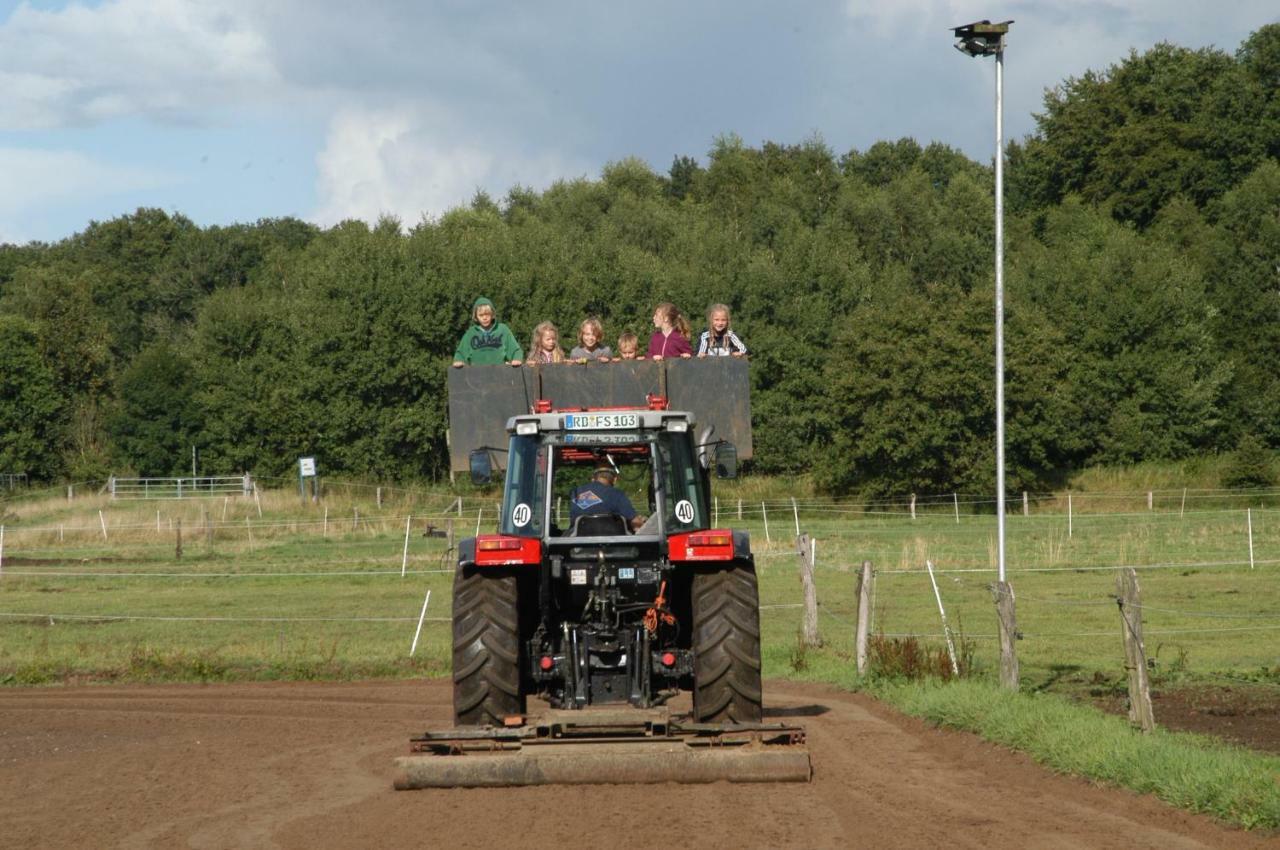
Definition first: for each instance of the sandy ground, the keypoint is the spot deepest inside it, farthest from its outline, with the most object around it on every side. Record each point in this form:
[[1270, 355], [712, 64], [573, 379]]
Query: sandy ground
[[310, 766]]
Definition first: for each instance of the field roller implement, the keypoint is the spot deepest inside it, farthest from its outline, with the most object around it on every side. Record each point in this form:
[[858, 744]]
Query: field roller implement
[[605, 746]]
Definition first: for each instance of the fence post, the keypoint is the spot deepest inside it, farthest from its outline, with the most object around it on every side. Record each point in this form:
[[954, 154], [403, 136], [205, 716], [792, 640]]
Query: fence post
[[955, 497], [479, 514], [946, 630], [71, 492], [1068, 515], [913, 505], [1, 548], [715, 512], [177, 549], [325, 533], [796, 511], [1135, 653], [379, 498], [1248, 516], [422, 616], [764, 512], [1007, 620], [1150, 501], [739, 510], [404, 560], [865, 578], [102, 519], [1026, 504], [810, 633], [208, 527]]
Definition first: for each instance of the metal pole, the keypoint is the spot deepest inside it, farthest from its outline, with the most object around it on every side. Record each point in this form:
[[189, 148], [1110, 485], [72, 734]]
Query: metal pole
[[1000, 310]]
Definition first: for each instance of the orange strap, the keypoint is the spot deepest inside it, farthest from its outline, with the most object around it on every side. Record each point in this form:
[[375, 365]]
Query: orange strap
[[655, 615]]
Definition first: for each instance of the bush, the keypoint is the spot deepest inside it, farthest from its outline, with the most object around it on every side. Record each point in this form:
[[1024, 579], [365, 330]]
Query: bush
[[1251, 466]]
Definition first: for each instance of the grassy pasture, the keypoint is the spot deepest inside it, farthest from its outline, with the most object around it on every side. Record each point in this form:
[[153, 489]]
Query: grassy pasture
[[301, 591]]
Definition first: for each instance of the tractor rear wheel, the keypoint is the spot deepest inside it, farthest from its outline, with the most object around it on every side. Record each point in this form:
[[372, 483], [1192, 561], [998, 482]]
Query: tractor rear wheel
[[486, 647], [726, 644]]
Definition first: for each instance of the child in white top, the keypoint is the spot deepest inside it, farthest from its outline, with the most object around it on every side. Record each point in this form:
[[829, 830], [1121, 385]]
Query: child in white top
[[719, 340]]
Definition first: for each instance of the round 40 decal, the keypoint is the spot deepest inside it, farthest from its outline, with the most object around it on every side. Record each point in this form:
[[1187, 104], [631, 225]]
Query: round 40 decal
[[520, 515], [684, 511]]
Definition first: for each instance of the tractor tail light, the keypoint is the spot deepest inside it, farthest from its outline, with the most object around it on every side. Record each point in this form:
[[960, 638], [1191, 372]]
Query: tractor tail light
[[496, 550], [713, 545]]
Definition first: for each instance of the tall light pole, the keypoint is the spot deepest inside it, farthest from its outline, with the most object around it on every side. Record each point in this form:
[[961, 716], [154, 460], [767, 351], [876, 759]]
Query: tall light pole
[[984, 38]]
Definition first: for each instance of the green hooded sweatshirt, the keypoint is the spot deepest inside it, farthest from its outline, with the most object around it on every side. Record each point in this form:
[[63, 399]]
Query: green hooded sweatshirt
[[487, 347]]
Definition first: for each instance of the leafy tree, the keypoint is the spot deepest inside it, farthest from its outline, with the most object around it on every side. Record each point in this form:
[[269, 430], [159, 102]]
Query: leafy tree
[[30, 404], [156, 421]]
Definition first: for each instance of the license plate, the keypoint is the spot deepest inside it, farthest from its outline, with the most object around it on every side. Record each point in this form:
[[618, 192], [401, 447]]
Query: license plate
[[577, 576], [600, 421]]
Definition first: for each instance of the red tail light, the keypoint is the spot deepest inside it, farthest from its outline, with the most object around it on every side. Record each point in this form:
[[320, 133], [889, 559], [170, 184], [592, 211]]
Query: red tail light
[[542, 405], [713, 545], [668, 659], [496, 550], [657, 402]]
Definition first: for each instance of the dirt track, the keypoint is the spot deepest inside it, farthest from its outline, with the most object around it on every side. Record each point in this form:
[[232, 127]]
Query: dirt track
[[309, 765]]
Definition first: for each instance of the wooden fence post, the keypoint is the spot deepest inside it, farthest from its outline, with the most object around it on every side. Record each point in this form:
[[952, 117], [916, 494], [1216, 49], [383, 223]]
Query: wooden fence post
[[379, 498], [1026, 504], [810, 632], [177, 549], [865, 578], [1006, 618], [913, 505], [1135, 654]]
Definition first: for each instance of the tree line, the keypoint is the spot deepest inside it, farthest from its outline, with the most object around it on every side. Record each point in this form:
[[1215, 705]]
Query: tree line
[[1142, 296]]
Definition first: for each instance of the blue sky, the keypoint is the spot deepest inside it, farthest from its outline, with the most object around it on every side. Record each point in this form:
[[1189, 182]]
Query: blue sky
[[231, 110]]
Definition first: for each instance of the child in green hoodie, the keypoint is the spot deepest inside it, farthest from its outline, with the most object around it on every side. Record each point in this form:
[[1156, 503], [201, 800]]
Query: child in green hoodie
[[487, 342]]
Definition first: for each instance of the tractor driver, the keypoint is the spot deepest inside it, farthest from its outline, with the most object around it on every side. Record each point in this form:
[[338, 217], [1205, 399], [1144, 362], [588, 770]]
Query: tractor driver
[[599, 496]]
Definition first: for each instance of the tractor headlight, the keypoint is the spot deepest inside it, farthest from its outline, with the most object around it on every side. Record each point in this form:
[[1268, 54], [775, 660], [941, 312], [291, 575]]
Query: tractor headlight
[[527, 428]]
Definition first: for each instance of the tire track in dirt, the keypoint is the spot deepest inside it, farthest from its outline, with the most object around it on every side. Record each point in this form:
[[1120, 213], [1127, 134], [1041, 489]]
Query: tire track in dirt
[[309, 765]]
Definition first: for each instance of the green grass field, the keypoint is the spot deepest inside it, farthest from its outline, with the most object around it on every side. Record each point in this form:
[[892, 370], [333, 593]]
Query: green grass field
[[278, 589]]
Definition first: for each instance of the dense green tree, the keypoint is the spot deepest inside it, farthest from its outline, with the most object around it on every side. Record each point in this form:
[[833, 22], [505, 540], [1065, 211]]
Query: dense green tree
[[30, 405], [156, 421]]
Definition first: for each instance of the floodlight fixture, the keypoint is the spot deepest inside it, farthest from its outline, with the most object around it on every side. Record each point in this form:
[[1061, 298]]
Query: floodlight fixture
[[981, 38]]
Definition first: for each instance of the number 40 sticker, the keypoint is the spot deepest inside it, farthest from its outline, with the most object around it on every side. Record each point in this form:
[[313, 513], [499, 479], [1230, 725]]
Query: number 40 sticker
[[684, 511], [521, 515]]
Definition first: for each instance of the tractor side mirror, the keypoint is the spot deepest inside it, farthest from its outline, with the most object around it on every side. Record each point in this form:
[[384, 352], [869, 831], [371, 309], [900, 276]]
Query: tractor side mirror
[[481, 467], [726, 460]]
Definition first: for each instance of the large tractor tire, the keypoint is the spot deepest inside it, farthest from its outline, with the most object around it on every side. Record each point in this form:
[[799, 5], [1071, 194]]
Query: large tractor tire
[[486, 647], [726, 644]]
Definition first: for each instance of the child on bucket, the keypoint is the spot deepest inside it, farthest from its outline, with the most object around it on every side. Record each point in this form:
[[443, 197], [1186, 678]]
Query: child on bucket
[[627, 344], [671, 335], [545, 345], [719, 340], [590, 335], [487, 342]]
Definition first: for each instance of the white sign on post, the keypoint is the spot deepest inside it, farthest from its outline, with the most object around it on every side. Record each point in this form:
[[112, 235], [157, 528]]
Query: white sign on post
[[307, 467]]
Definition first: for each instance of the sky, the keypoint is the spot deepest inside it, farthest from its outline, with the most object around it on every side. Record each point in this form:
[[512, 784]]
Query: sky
[[236, 110]]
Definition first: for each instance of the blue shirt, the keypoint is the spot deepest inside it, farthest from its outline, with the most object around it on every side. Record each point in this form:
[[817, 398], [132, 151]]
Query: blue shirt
[[595, 498]]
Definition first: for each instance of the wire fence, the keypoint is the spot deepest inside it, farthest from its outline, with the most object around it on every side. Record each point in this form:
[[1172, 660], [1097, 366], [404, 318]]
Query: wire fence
[[328, 570]]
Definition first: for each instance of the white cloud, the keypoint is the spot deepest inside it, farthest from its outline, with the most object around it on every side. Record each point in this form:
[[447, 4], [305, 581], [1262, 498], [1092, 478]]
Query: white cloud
[[166, 59], [33, 180], [413, 162]]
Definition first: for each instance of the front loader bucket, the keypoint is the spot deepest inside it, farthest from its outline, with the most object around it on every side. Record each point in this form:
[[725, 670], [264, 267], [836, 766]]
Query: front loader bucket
[[611, 747]]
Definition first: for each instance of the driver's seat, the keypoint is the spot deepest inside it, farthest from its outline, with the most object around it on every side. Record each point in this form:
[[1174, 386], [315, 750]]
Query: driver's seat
[[599, 525]]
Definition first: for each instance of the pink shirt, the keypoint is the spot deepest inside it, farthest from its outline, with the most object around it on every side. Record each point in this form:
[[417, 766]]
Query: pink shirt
[[673, 345]]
